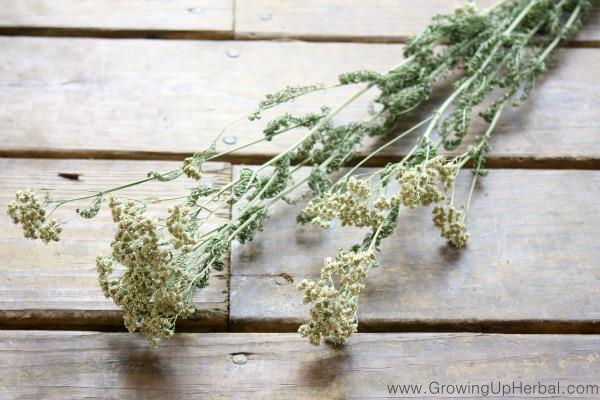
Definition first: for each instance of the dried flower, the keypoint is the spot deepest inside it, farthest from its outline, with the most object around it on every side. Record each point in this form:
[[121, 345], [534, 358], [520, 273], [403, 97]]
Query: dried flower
[[155, 289], [177, 225], [333, 312], [350, 208], [467, 8], [192, 169], [419, 184], [192, 166], [450, 222], [29, 211]]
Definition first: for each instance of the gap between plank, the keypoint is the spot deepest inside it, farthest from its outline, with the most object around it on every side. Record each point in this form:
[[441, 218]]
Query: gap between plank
[[94, 322], [367, 39], [99, 320], [220, 35], [496, 162], [116, 33], [441, 326]]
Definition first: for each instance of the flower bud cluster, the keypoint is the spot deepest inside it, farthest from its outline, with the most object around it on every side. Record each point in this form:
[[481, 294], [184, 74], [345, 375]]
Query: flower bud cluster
[[177, 225], [333, 314], [334, 309], [451, 224], [192, 169], [359, 188], [154, 289], [467, 8], [351, 207], [419, 184], [29, 210]]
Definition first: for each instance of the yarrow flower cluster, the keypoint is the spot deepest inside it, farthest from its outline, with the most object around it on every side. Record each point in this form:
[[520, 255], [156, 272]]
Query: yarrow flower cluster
[[154, 290], [178, 226], [363, 203], [419, 185], [350, 207], [451, 224], [334, 309], [192, 168], [29, 211], [468, 8]]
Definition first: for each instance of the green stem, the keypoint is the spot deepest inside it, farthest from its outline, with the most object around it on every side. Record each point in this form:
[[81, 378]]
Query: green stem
[[383, 147], [103, 192], [558, 37], [270, 107], [484, 141]]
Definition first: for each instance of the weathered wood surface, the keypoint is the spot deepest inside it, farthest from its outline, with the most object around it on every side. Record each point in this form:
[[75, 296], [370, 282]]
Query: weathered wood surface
[[531, 264], [118, 18], [331, 20], [56, 285], [163, 99], [58, 365], [355, 20]]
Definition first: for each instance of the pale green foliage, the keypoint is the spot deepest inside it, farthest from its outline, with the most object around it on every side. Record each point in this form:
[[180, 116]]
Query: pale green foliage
[[92, 210]]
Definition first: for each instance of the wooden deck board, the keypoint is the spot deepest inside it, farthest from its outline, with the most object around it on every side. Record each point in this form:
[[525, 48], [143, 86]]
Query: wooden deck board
[[118, 18], [355, 20], [58, 365], [165, 99], [531, 264], [56, 285]]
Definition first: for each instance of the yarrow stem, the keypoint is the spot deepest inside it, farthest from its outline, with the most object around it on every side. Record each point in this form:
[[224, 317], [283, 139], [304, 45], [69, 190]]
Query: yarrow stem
[[479, 161]]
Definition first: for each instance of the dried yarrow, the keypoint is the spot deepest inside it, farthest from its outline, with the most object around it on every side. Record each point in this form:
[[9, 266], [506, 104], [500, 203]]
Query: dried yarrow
[[29, 210], [334, 307], [451, 224], [155, 263], [144, 274]]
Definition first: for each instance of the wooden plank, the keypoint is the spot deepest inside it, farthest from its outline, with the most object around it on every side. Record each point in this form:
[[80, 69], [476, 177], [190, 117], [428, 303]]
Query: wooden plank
[[165, 99], [118, 18], [531, 264], [57, 285], [389, 21], [58, 365]]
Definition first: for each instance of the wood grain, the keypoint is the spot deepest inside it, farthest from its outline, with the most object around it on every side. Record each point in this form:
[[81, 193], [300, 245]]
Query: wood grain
[[531, 264], [165, 99], [355, 20], [118, 18], [58, 365], [56, 286]]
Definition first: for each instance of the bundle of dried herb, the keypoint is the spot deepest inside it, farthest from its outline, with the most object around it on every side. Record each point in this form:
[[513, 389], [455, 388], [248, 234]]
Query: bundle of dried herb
[[155, 264]]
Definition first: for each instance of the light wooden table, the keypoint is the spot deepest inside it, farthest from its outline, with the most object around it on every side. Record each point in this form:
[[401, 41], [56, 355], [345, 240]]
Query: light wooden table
[[84, 92]]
